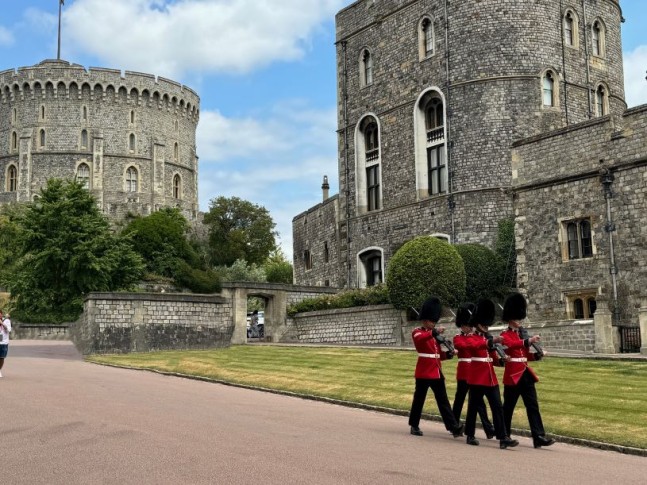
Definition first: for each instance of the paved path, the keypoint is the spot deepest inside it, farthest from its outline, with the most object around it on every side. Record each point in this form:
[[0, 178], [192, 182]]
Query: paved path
[[63, 421]]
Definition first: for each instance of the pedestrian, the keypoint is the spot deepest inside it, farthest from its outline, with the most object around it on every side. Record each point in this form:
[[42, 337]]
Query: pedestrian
[[428, 372], [253, 324], [5, 328], [519, 379], [461, 344], [482, 379]]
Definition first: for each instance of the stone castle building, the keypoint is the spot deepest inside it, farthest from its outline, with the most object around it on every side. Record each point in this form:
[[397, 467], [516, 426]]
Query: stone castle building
[[432, 96], [130, 138]]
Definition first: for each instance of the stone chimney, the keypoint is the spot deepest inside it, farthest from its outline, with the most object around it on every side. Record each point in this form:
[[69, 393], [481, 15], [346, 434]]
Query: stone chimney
[[325, 187]]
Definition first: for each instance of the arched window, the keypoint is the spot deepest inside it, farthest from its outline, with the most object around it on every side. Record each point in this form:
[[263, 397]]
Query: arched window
[[177, 187], [84, 113], [426, 38], [598, 38], [370, 267], [429, 132], [569, 34], [549, 89], [601, 101], [14, 115], [369, 135], [42, 139], [14, 141], [366, 68], [176, 152], [84, 138], [83, 175], [12, 179], [131, 179], [132, 117], [42, 112], [132, 142]]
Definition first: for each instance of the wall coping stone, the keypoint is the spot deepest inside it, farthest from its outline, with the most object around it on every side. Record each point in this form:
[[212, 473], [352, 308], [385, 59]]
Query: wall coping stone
[[251, 285], [180, 297], [355, 309]]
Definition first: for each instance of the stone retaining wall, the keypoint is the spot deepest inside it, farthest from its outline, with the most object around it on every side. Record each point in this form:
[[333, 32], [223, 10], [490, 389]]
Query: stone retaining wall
[[40, 331]]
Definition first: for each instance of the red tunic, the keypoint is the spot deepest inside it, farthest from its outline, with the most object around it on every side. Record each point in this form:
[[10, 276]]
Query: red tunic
[[461, 343], [482, 365], [519, 357], [429, 354]]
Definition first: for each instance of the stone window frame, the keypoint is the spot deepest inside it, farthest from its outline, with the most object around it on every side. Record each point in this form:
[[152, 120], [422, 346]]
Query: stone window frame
[[307, 260], [601, 105], [565, 241], [176, 152], [42, 113], [367, 276], [575, 28], [177, 186], [132, 118], [11, 178], [128, 180], [132, 143], [42, 139], [13, 141], [14, 116], [582, 301], [426, 141], [84, 139], [599, 41], [84, 114], [551, 74], [366, 68], [363, 164], [423, 38], [441, 235], [83, 165]]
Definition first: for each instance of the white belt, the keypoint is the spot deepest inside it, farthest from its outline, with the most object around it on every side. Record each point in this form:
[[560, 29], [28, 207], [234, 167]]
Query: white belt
[[519, 359], [465, 360], [431, 356], [481, 359]]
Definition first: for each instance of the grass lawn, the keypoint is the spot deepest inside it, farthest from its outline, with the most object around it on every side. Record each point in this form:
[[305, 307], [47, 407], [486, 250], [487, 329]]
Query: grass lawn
[[592, 399]]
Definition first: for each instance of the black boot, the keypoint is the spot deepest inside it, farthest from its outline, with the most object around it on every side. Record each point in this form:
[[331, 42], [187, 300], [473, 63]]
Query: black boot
[[458, 431], [490, 433], [416, 431], [540, 441], [507, 442], [472, 441]]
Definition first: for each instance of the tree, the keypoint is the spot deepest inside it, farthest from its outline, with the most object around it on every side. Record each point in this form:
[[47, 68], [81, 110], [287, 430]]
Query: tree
[[423, 267], [505, 248], [278, 269], [484, 271], [239, 229], [65, 250]]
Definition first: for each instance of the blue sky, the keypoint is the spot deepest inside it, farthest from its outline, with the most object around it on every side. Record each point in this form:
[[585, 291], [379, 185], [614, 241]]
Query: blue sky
[[264, 70]]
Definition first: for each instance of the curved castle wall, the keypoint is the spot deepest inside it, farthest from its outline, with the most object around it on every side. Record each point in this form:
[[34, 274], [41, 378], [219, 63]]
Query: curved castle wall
[[130, 137]]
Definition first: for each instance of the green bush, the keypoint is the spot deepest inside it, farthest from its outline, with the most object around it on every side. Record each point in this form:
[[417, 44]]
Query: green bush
[[374, 295], [484, 271], [423, 267], [279, 272], [196, 280], [505, 248]]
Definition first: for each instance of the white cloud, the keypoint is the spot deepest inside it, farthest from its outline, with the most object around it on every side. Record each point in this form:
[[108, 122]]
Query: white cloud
[[174, 37], [635, 83], [6, 38]]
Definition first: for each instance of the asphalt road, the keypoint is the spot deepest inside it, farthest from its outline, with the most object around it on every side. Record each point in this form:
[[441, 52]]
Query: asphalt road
[[64, 421]]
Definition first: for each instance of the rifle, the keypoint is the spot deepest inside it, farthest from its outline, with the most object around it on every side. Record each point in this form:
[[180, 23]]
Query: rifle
[[498, 348], [440, 338], [539, 352]]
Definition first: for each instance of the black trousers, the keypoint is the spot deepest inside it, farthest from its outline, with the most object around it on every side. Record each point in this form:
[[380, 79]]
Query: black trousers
[[440, 393], [462, 387], [494, 398], [526, 389]]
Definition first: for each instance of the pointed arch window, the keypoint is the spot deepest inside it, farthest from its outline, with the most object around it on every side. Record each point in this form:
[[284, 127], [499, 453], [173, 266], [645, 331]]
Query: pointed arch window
[[598, 38], [571, 29], [14, 141], [177, 187], [42, 113], [84, 113], [83, 175], [366, 68], [132, 117], [431, 160], [132, 180], [12, 179], [601, 101], [369, 162], [42, 139], [426, 38], [549, 89], [84, 138], [176, 152], [132, 142]]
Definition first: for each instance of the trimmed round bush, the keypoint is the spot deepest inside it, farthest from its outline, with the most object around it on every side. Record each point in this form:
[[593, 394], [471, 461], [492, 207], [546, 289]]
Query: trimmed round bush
[[484, 271], [423, 267]]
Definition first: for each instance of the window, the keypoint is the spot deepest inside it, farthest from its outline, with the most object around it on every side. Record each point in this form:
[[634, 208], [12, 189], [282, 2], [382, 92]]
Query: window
[[42, 113], [598, 38], [373, 187], [434, 119], [14, 115], [14, 141], [431, 154], [132, 142], [366, 68], [132, 117], [12, 178], [177, 126], [326, 252], [177, 187], [84, 114], [83, 175], [579, 241], [601, 101], [371, 141], [307, 259], [571, 29], [581, 304], [84, 138], [41, 138], [426, 38], [437, 170], [548, 89], [131, 179], [176, 152], [370, 270]]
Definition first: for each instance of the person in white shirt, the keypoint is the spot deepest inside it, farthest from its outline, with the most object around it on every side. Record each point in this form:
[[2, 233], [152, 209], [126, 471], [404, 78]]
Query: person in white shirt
[[5, 328]]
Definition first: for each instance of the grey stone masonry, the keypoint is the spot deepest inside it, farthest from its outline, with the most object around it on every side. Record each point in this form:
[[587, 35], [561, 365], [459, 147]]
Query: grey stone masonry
[[58, 119], [38, 331], [142, 322]]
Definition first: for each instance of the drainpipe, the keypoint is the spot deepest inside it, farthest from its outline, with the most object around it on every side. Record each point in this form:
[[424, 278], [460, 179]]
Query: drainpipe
[[451, 203], [606, 178], [344, 46], [586, 53]]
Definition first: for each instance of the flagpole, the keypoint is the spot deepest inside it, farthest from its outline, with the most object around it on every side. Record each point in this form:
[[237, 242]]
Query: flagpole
[[60, 6]]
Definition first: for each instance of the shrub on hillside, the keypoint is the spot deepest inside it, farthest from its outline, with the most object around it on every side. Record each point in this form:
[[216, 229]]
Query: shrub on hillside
[[422, 267], [374, 295], [484, 271], [196, 280]]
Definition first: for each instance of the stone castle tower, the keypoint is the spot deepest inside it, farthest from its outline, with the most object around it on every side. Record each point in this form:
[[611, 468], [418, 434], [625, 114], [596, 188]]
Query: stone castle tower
[[130, 138], [431, 96]]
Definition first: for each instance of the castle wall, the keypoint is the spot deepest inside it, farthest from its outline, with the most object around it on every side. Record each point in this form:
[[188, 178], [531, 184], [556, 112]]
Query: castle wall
[[65, 100]]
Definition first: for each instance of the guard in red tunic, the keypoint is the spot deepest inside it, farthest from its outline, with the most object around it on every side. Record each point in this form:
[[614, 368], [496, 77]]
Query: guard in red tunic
[[461, 344], [482, 379], [518, 378], [429, 372]]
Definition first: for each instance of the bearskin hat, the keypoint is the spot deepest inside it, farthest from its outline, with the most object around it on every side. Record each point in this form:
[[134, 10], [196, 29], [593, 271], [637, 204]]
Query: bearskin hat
[[464, 314], [431, 309], [484, 314], [514, 308]]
